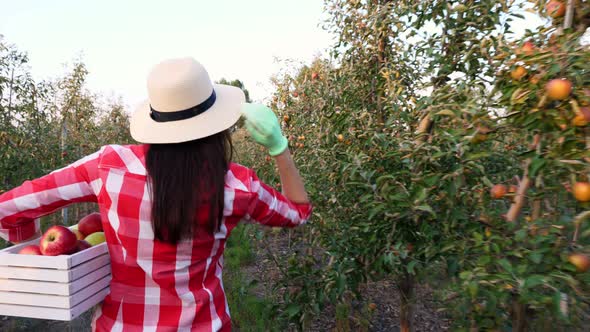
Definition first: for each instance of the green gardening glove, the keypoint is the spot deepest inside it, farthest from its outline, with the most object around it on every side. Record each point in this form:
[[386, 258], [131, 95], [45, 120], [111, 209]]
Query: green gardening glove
[[264, 127]]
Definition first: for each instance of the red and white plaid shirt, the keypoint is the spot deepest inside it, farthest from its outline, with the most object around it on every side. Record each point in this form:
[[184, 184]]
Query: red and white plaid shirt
[[155, 286]]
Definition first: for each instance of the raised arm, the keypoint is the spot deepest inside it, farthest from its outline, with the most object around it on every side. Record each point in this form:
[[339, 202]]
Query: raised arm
[[269, 207], [264, 127], [291, 181]]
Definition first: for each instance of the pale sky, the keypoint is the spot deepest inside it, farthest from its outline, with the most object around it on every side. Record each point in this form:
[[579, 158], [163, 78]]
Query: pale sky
[[120, 41]]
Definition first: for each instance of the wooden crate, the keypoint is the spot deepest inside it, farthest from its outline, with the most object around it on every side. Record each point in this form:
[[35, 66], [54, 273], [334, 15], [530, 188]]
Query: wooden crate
[[53, 287]]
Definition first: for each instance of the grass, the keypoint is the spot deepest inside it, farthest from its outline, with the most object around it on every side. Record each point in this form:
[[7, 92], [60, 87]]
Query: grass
[[249, 312]]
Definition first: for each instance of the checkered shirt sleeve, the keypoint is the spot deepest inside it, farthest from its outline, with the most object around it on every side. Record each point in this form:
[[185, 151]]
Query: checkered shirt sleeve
[[21, 207]]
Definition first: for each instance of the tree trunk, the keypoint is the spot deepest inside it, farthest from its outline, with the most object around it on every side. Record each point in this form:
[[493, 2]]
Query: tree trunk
[[406, 292], [519, 315], [9, 109], [64, 139]]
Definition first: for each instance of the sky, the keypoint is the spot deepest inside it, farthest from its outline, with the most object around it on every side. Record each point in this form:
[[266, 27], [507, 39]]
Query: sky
[[120, 40]]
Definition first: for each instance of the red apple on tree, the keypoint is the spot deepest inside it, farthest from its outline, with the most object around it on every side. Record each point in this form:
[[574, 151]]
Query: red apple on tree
[[58, 240], [555, 8], [528, 48], [518, 73], [30, 250], [581, 191], [558, 89], [580, 261], [92, 223], [498, 191]]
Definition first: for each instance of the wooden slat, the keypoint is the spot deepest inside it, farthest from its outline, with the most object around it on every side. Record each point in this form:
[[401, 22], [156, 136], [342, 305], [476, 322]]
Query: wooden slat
[[30, 273], [88, 279], [56, 288], [88, 254], [83, 269], [9, 257], [89, 303], [53, 313], [87, 292], [34, 286], [53, 301]]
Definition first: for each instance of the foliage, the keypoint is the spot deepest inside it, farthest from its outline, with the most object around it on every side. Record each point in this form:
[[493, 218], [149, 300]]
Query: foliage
[[46, 125], [400, 135], [239, 84], [249, 311]]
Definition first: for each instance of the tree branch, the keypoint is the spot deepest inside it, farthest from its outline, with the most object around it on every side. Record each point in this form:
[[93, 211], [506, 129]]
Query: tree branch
[[569, 15], [578, 222], [524, 185]]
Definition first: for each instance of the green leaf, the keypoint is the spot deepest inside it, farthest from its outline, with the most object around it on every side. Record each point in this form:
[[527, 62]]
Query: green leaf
[[431, 180], [536, 257], [340, 283], [487, 181], [504, 263], [479, 155], [421, 195], [496, 248], [520, 235], [478, 237], [399, 197], [426, 208], [410, 267], [585, 233], [472, 288], [376, 210], [465, 275], [292, 310], [483, 260], [533, 281], [536, 164]]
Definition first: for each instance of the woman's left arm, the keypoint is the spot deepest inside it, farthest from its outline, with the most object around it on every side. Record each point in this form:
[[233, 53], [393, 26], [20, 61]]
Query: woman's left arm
[[19, 207]]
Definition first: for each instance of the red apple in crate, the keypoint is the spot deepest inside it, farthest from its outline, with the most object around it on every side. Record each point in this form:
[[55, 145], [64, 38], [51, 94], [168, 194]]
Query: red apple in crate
[[58, 240], [30, 250], [83, 245], [90, 224], [79, 235]]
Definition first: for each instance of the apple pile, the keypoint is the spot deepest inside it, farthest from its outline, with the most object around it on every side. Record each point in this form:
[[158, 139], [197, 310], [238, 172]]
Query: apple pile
[[60, 240]]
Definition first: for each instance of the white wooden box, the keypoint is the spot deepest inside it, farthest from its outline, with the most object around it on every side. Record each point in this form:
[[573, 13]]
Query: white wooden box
[[53, 287]]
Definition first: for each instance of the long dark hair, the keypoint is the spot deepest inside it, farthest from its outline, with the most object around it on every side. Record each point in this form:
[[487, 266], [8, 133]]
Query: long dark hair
[[186, 177]]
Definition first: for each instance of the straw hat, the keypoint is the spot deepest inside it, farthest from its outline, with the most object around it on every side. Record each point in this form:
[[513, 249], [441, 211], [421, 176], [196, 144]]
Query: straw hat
[[183, 104]]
